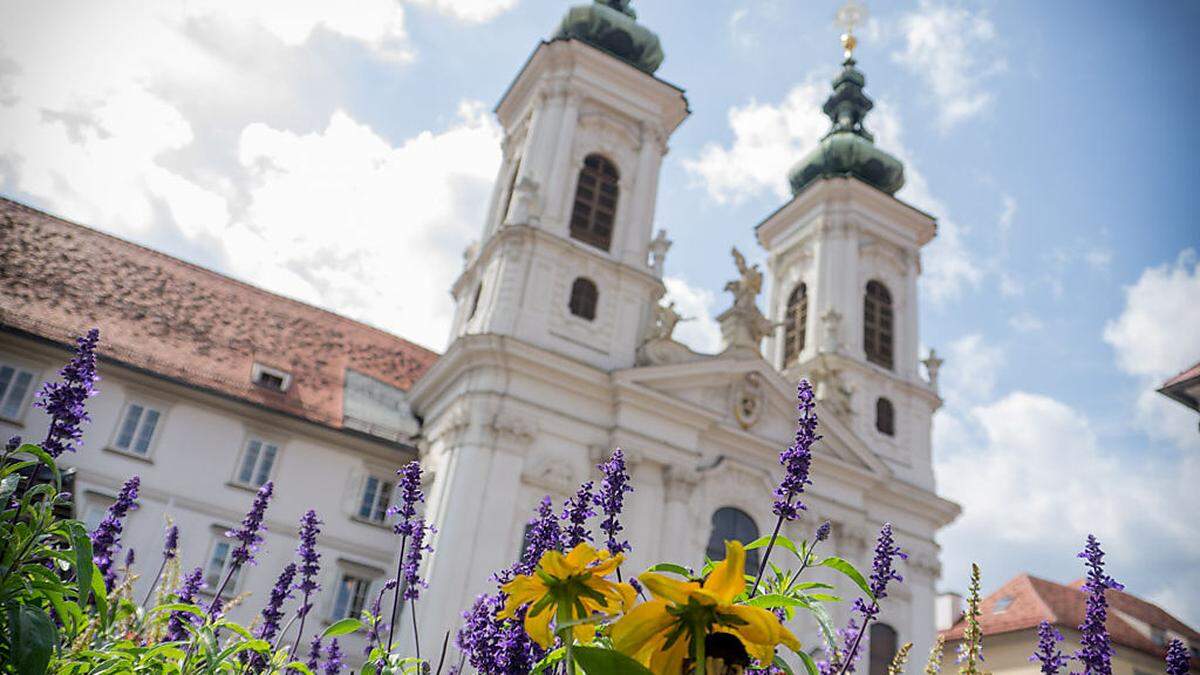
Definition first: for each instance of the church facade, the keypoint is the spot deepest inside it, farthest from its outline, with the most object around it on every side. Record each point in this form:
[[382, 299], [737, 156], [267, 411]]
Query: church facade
[[561, 349]]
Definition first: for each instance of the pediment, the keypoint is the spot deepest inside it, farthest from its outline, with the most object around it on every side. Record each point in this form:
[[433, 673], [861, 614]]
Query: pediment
[[710, 390]]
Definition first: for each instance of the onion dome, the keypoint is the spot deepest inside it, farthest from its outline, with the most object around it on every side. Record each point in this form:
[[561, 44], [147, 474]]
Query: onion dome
[[611, 25], [848, 149]]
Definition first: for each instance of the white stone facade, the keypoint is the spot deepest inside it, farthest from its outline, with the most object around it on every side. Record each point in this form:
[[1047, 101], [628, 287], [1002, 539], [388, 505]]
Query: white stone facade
[[528, 398]]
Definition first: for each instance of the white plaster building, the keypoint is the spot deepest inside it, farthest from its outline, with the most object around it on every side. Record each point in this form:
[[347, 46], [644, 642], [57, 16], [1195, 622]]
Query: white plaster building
[[560, 352]]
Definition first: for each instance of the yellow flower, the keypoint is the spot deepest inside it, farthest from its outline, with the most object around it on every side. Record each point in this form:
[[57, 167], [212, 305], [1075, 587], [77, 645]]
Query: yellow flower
[[568, 587], [660, 633]]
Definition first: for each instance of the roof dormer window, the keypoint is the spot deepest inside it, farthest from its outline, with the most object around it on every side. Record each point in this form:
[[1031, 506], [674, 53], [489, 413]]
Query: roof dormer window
[[1002, 604], [270, 378]]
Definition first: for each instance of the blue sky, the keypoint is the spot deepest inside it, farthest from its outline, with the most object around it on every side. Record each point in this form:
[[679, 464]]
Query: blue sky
[[1052, 140]]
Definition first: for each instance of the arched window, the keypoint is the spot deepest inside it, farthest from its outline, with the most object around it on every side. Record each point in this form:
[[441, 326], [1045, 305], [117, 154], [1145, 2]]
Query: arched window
[[883, 647], [595, 202], [583, 298], [877, 324], [795, 324], [731, 524], [885, 417]]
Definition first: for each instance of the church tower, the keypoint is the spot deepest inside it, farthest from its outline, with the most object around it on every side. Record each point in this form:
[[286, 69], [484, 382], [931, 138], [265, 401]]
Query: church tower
[[551, 301], [563, 262], [844, 257]]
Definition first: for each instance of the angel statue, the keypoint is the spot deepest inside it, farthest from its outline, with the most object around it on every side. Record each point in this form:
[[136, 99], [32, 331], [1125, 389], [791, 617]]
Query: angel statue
[[745, 290], [665, 319], [743, 326]]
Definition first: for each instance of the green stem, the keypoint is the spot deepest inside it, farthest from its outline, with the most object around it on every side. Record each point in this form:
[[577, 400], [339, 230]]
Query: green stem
[[568, 636], [698, 654]]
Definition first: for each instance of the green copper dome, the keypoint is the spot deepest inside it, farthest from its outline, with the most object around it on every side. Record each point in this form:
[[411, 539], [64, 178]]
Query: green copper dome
[[612, 25], [848, 149]]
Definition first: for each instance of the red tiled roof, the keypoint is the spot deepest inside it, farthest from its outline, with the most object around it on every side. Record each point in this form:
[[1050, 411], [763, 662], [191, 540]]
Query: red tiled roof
[[1035, 600], [167, 316], [1189, 374]]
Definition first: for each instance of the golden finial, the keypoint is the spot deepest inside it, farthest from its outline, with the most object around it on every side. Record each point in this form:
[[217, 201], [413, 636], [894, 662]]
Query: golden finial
[[849, 16]]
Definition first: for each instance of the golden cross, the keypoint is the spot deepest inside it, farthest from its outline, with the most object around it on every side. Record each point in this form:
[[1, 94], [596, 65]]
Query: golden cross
[[850, 16]]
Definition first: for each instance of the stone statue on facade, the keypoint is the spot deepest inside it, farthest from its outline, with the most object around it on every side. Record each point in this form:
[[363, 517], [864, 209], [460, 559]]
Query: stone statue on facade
[[743, 326], [525, 207], [659, 246], [665, 319], [933, 363]]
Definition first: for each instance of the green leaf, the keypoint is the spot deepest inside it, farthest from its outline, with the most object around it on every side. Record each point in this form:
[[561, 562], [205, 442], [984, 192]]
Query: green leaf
[[343, 627], [809, 664], [809, 584], [176, 607], [298, 666], [33, 639], [847, 569], [81, 543], [773, 600], [782, 665], [823, 597], [16, 466], [551, 659], [8, 486], [46, 459], [597, 661], [780, 540], [672, 568], [235, 627], [100, 596]]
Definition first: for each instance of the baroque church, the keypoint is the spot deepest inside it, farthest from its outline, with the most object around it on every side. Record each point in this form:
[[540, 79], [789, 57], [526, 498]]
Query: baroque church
[[561, 349]]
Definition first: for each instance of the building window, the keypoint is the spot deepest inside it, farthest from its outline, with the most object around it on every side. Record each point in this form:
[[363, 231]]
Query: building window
[[375, 499], [95, 510], [136, 430], [257, 462], [1158, 635], [1002, 604], [595, 202], [350, 596], [219, 561], [885, 417], [583, 298], [877, 324], [270, 378], [15, 384], [795, 324], [731, 524], [883, 647]]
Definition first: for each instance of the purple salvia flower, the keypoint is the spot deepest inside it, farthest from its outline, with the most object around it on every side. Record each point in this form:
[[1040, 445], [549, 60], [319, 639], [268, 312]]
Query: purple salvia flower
[[377, 623], [412, 560], [1048, 653], [797, 459], [250, 533], [314, 654], [12, 444], [575, 513], [838, 656], [171, 543], [409, 488], [65, 401], [1096, 653], [333, 658], [611, 500], [310, 559], [106, 540], [129, 558], [1178, 660], [192, 583], [493, 646], [544, 535], [273, 613], [882, 573], [823, 531]]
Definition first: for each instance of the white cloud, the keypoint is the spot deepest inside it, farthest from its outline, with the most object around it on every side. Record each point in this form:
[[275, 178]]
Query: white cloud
[[767, 140], [972, 366], [701, 333], [319, 196], [1034, 480], [1155, 337], [1025, 322], [948, 47], [1098, 258], [474, 11], [377, 23]]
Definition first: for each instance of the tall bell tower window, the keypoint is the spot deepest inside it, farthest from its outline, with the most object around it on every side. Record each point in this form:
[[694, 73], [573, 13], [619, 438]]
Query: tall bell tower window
[[595, 202], [795, 324], [877, 324], [583, 298], [885, 417]]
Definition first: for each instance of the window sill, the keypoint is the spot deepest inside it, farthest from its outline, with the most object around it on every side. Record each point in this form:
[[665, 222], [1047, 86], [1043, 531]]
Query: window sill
[[130, 454], [244, 486], [20, 424], [383, 525]]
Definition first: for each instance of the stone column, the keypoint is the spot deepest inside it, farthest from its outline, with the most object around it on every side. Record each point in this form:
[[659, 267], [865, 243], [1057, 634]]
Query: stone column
[[676, 543]]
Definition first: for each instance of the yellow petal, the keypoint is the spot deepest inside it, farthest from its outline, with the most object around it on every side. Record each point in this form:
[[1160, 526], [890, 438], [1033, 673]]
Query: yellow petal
[[538, 626], [666, 588], [581, 555], [606, 565], [555, 564], [640, 625], [584, 632], [670, 660], [628, 595], [759, 625], [728, 578], [521, 590]]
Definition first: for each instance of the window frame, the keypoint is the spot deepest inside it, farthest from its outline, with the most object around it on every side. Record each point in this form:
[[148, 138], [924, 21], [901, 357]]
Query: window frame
[[879, 324], [368, 587], [220, 540], [264, 441], [100, 501], [592, 209], [795, 325], [753, 534], [885, 423], [259, 370], [582, 282], [118, 431], [388, 495], [24, 403]]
